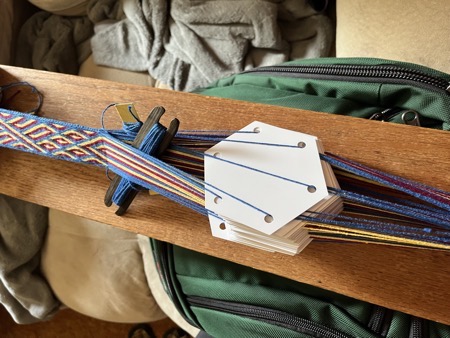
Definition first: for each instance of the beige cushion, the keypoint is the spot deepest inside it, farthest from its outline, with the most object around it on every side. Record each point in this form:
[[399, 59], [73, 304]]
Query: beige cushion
[[158, 291], [97, 270], [90, 69], [62, 7], [413, 31]]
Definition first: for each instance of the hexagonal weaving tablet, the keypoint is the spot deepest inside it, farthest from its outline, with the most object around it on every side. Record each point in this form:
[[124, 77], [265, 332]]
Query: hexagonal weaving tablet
[[264, 176]]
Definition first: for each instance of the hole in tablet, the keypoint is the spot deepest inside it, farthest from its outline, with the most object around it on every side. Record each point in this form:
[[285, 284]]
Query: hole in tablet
[[268, 219], [312, 188]]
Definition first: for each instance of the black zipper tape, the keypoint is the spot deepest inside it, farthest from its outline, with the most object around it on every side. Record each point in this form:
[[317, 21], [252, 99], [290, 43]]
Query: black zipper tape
[[360, 73], [418, 328], [163, 253], [271, 316], [380, 320]]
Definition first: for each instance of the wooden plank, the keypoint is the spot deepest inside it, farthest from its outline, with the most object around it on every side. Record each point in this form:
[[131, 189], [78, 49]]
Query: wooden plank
[[410, 280]]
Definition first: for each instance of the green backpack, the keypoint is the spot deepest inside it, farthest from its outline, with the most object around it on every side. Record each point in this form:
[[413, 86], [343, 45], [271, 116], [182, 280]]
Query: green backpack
[[368, 88], [225, 299], [228, 300]]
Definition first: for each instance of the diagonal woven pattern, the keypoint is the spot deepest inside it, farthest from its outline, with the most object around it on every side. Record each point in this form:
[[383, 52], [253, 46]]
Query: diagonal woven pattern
[[97, 147], [31, 134]]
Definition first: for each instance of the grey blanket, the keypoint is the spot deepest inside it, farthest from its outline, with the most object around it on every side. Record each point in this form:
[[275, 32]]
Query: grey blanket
[[183, 43], [187, 44], [54, 43], [23, 292]]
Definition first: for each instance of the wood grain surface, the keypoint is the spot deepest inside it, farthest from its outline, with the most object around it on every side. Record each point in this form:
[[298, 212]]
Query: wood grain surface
[[414, 281]]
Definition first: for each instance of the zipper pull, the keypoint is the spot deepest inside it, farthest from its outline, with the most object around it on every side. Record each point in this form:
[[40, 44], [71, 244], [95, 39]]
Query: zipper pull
[[409, 116], [386, 114]]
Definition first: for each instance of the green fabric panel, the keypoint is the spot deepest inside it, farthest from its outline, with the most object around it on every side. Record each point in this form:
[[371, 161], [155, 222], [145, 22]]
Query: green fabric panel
[[210, 277], [195, 264], [400, 326], [316, 95], [437, 330], [206, 276], [219, 324], [356, 99], [302, 306], [222, 325], [434, 109]]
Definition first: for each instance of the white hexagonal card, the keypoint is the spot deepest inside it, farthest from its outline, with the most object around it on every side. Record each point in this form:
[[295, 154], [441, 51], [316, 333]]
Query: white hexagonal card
[[263, 177]]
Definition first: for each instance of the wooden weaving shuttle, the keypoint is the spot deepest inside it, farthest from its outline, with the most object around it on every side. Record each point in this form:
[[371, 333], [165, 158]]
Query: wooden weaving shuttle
[[152, 119]]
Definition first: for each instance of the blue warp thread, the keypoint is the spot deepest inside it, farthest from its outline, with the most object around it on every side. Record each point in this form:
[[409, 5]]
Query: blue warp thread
[[132, 128], [398, 186], [148, 146], [437, 213]]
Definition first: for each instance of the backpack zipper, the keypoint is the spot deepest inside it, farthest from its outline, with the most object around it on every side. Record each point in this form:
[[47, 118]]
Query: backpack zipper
[[163, 267], [408, 116], [417, 328], [161, 254], [271, 316], [380, 320], [360, 73]]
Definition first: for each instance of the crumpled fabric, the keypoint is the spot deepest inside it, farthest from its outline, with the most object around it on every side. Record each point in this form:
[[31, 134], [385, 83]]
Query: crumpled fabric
[[54, 43], [100, 10], [188, 44], [184, 44], [23, 291]]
